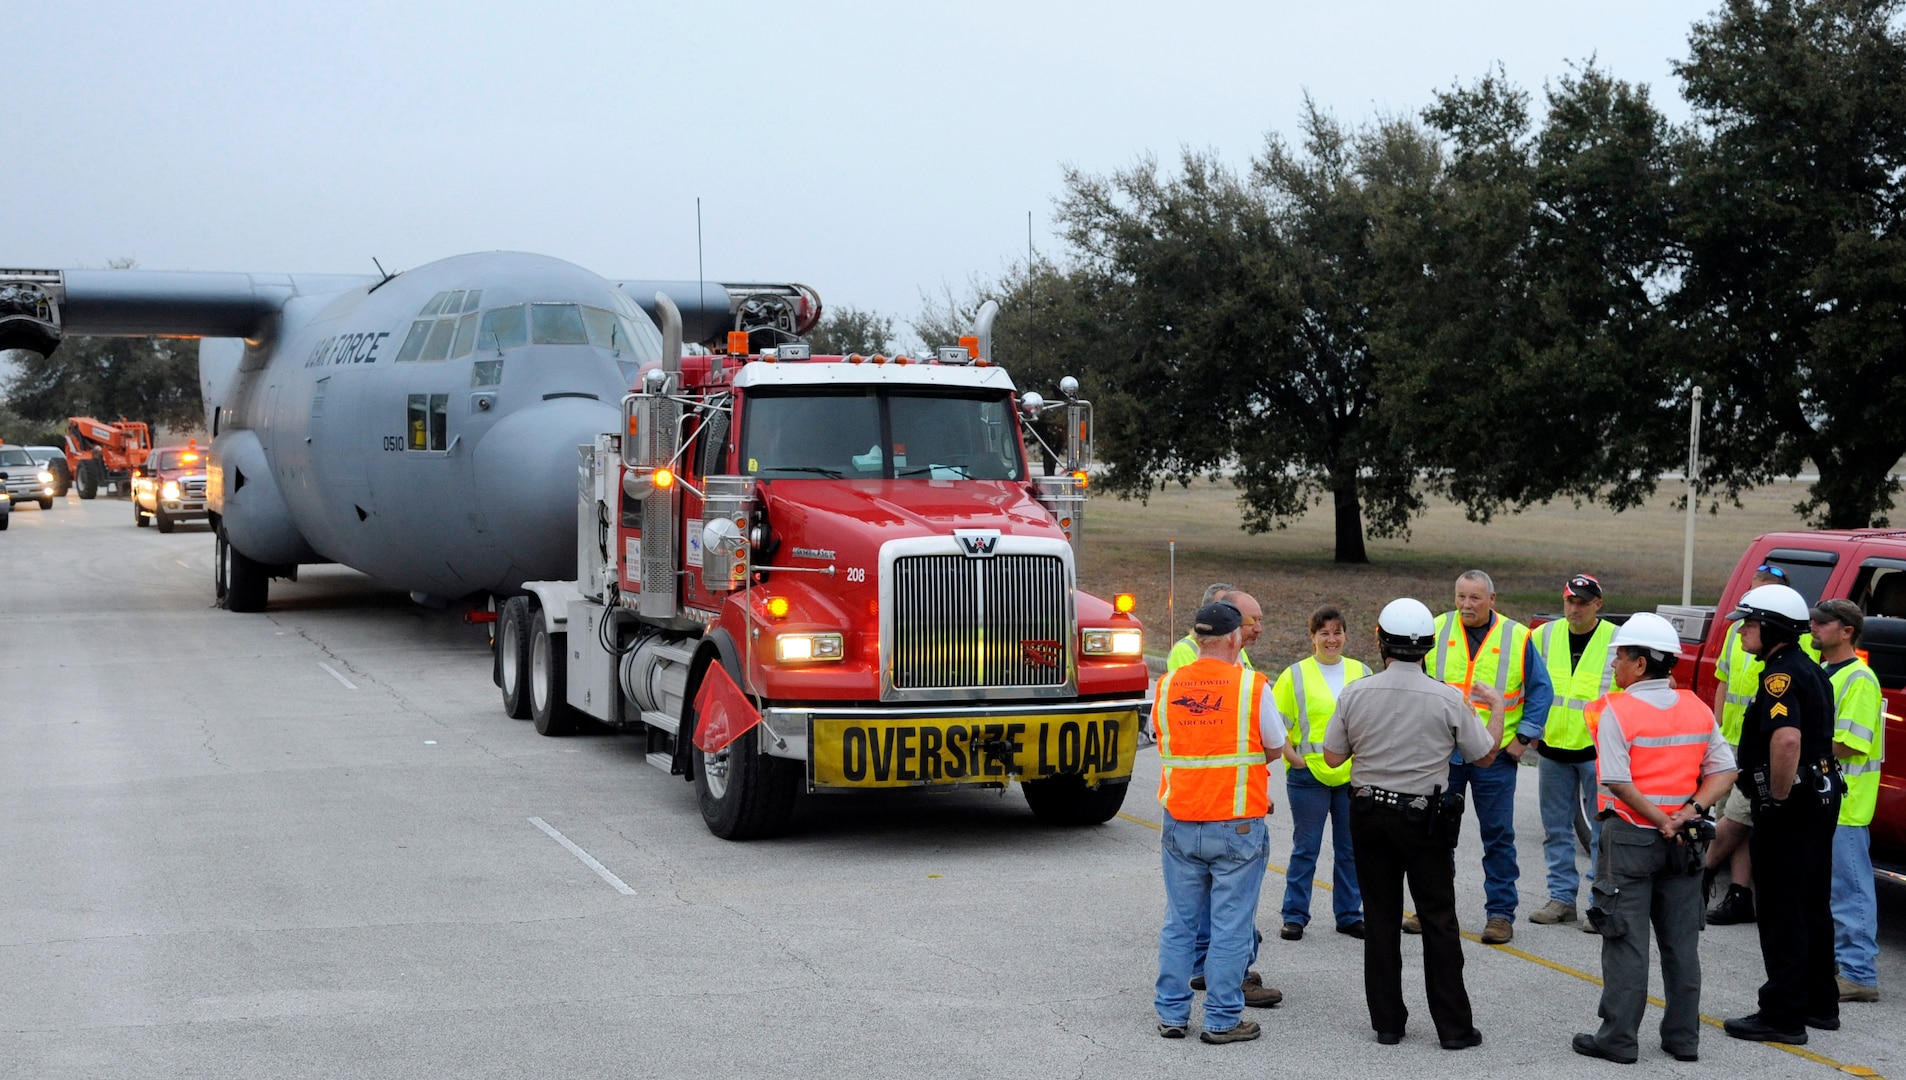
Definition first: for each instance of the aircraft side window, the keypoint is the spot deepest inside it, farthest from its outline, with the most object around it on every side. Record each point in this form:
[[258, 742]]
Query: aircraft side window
[[557, 324], [418, 422], [486, 373], [503, 328], [439, 421], [414, 341], [604, 333], [452, 303], [435, 305], [466, 336], [473, 300], [438, 346]]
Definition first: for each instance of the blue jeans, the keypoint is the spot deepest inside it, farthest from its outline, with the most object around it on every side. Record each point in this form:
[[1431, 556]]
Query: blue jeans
[[1855, 906], [1567, 789], [1311, 801], [1492, 796], [1213, 872]]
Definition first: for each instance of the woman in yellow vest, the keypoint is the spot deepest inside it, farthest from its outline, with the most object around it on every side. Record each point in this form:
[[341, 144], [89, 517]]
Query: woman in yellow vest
[[1306, 696], [1859, 742]]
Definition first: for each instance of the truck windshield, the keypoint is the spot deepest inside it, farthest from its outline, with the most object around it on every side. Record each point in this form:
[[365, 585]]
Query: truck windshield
[[888, 433]]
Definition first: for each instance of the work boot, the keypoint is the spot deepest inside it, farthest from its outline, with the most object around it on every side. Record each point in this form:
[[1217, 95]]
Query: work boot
[[1736, 907], [1244, 1032], [1852, 991], [1555, 911], [1498, 931], [1755, 1028], [1412, 924], [1259, 996]]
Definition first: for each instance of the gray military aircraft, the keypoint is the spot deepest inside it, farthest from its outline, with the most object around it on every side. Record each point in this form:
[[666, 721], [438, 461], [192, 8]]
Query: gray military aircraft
[[421, 427]]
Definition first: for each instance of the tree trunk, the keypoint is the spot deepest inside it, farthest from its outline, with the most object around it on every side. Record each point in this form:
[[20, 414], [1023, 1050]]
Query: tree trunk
[[1856, 491], [1343, 492]]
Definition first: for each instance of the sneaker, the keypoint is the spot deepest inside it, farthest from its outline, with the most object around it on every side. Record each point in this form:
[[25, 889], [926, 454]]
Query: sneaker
[[1852, 991], [1412, 924], [1754, 1028], [1291, 932], [1171, 1031], [1498, 931], [1244, 1032], [1553, 912], [1259, 996], [1736, 907], [1354, 930]]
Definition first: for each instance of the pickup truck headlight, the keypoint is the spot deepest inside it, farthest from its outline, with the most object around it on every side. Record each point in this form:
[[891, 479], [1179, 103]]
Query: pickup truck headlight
[[1114, 642], [170, 490], [45, 477], [807, 648]]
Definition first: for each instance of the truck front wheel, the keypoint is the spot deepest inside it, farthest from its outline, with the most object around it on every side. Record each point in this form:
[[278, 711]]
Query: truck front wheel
[[138, 515], [548, 682], [163, 520], [744, 794], [512, 656], [1065, 800]]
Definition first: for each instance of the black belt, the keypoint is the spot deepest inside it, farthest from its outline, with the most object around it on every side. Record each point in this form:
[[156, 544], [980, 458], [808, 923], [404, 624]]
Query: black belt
[[1394, 800]]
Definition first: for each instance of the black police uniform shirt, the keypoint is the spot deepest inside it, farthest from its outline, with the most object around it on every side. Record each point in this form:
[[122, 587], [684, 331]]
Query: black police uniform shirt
[[1793, 693]]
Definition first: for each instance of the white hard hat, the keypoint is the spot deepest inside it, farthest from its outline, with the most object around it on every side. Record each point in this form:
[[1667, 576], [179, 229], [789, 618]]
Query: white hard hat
[[1407, 622], [1646, 630], [1776, 605]]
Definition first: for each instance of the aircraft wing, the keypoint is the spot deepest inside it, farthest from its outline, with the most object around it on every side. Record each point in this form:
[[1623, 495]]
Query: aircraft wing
[[712, 308], [38, 307]]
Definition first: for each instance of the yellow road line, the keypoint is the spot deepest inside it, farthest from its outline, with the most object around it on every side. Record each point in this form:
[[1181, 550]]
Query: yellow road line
[[1553, 965]]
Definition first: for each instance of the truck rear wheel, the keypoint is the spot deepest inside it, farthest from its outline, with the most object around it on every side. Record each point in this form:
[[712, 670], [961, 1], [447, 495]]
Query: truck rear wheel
[[512, 656], [89, 479], [138, 515], [1065, 800], [744, 794], [548, 682]]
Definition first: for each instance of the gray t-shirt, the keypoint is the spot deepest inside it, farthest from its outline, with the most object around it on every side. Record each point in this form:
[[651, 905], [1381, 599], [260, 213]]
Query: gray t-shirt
[[1612, 743], [1399, 726]]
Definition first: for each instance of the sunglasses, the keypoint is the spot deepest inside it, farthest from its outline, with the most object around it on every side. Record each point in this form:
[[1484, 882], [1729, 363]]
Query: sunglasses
[[1770, 568], [1251, 620]]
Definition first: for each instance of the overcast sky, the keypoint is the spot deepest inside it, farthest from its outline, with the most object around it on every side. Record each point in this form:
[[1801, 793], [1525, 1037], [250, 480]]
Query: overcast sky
[[873, 151]]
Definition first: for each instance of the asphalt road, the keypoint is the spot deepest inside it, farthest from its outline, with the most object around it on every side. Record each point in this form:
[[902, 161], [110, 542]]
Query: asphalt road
[[303, 844]]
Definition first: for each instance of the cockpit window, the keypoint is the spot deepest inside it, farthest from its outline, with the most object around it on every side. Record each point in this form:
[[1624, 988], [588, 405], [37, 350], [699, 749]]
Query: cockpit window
[[503, 328], [557, 324], [904, 434], [466, 336], [473, 301]]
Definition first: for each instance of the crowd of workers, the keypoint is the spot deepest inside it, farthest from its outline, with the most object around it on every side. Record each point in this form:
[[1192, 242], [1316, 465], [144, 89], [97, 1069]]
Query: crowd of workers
[[1629, 767]]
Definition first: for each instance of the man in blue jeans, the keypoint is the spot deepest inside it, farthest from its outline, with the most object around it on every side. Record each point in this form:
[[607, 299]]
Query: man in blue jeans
[[1578, 652], [1475, 644], [1217, 728]]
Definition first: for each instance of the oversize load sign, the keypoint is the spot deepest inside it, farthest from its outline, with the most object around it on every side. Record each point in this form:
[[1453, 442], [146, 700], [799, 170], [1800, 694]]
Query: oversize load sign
[[868, 753]]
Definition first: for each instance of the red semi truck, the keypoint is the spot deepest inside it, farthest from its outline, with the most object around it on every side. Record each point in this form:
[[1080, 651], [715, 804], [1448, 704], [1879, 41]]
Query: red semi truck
[[1866, 566], [849, 557]]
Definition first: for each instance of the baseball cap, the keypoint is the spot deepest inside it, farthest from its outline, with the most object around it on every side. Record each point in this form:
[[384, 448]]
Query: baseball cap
[[1841, 611], [1582, 587], [1216, 619]]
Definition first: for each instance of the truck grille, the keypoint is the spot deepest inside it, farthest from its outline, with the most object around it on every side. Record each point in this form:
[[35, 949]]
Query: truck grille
[[961, 623], [193, 487]]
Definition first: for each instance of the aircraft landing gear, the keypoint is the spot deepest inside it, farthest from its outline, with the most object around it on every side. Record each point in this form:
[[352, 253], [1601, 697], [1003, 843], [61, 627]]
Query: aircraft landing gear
[[240, 582]]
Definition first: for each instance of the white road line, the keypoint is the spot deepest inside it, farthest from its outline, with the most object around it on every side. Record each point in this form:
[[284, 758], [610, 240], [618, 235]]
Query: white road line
[[348, 684], [181, 562], [588, 860]]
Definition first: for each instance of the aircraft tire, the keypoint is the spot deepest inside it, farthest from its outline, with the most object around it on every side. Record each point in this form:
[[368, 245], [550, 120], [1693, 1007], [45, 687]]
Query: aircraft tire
[[89, 479], [749, 795], [512, 656], [138, 515], [164, 521], [548, 681], [247, 583], [1066, 801]]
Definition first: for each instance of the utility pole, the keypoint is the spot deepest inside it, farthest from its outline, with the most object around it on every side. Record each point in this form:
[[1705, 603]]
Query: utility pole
[[1694, 486]]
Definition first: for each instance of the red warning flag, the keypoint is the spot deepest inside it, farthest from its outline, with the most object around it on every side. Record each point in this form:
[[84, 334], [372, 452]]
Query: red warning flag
[[726, 713]]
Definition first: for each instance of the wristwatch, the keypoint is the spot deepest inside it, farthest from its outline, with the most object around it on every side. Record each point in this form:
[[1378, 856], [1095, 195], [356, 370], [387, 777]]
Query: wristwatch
[[1523, 739], [1699, 810]]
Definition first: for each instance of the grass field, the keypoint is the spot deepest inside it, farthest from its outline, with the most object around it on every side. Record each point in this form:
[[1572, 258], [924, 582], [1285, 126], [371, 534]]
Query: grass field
[[1636, 555]]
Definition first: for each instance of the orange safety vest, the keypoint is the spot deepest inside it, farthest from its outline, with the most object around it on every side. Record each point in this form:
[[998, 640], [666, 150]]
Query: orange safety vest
[[1665, 750], [1209, 745]]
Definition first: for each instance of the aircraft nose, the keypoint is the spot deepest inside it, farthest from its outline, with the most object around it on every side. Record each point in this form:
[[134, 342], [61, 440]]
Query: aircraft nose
[[526, 480]]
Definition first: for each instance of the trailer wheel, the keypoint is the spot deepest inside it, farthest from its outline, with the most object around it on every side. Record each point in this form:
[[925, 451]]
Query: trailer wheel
[[138, 515], [744, 794], [548, 682], [242, 582], [1065, 800], [512, 656], [89, 479]]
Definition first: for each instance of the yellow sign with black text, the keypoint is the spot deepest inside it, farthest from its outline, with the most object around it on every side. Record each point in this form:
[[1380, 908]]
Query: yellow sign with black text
[[913, 752]]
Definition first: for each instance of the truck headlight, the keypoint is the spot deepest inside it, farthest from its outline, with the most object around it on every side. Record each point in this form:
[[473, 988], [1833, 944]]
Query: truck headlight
[[170, 490], [1114, 642], [45, 477], [807, 648]]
